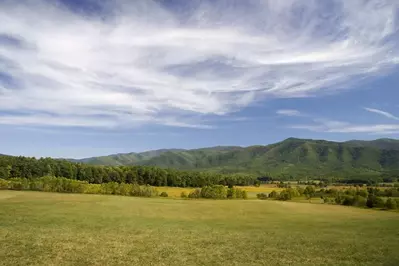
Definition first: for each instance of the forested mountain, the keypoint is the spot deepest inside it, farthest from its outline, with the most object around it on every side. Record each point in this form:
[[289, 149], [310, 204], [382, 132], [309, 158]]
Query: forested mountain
[[291, 157], [388, 144], [125, 158]]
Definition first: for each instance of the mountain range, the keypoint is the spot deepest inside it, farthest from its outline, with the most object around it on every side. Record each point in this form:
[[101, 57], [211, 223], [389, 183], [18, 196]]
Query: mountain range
[[293, 157]]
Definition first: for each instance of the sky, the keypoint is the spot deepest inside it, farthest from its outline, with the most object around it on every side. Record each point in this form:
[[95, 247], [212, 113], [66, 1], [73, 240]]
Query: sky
[[81, 78]]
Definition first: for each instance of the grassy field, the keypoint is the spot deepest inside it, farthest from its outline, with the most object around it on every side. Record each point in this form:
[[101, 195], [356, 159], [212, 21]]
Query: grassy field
[[38, 228], [175, 192]]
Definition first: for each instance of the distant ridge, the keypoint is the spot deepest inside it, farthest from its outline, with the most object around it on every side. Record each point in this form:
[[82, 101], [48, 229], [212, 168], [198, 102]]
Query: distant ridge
[[292, 156]]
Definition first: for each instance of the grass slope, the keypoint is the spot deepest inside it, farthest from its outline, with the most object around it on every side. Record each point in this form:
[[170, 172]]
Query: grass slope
[[297, 157], [39, 228]]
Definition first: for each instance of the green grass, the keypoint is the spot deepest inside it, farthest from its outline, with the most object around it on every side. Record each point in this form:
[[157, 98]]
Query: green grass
[[38, 228]]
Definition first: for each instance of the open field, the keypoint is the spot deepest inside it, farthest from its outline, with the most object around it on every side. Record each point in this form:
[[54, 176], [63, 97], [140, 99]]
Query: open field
[[175, 192], [38, 228]]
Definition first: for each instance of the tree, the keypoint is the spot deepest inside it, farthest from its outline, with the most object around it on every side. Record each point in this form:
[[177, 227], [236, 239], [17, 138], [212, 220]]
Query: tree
[[5, 172], [309, 192]]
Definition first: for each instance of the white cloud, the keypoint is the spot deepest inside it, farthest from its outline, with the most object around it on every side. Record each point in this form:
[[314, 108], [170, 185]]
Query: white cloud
[[332, 126], [386, 114], [288, 112], [143, 63]]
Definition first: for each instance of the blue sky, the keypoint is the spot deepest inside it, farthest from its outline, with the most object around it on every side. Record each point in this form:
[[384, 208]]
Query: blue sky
[[87, 78]]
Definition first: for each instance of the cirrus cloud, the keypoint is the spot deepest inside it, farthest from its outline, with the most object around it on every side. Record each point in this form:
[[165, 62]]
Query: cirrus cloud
[[146, 62], [381, 112]]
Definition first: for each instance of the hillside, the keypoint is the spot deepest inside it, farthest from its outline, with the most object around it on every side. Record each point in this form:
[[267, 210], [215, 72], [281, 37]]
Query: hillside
[[291, 157]]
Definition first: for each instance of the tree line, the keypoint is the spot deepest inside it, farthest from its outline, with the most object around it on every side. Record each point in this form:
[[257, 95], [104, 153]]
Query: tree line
[[29, 168], [371, 197]]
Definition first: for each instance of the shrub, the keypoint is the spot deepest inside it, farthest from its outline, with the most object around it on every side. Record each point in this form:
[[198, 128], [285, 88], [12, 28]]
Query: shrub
[[244, 194], [231, 193], [391, 204], [375, 202], [92, 189], [124, 189], [183, 195], [309, 192], [284, 195], [148, 191], [110, 188], [214, 192], [359, 201], [380, 203], [163, 194], [300, 190], [195, 194], [3, 184], [348, 200], [362, 192], [274, 194], [262, 196], [327, 200], [236, 193]]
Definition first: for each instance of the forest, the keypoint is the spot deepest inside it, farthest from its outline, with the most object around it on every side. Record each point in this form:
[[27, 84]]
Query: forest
[[26, 167]]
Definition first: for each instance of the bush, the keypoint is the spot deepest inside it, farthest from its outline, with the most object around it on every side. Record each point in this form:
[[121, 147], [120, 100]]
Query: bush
[[195, 194], [309, 192], [231, 193], [327, 200], [236, 193], [380, 203], [163, 194], [274, 194], [363, 193], [262, 196], [244, 194], [375, 202], [148, 191], [359, 201], [214, 192], [18, 184], [3, 184], [183, 195], [348, 200], [390, 204], [284, 195], [92, 189]]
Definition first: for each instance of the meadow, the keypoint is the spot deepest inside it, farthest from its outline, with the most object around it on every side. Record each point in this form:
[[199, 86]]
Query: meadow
[[175, 192], [42, 228]]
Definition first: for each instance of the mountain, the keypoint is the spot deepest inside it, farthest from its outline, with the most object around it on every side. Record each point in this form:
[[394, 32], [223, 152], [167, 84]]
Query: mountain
[[125, 158], [387, 144], [296, 157]]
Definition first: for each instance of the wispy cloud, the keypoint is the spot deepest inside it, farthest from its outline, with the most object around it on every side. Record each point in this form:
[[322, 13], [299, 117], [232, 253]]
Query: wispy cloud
[[386, 114], [332, 126], [288, 112], [143, 62]]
